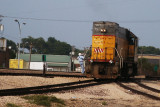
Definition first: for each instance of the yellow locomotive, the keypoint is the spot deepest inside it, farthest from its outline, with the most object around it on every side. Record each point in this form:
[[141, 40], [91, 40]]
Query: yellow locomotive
[[113, 52]]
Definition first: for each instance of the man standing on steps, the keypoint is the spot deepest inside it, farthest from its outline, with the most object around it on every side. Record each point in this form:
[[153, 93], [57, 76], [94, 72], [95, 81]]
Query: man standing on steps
[[81, 62]]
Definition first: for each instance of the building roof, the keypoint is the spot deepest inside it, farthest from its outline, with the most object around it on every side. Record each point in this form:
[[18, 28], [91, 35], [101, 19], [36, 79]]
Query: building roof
[[49, 58]]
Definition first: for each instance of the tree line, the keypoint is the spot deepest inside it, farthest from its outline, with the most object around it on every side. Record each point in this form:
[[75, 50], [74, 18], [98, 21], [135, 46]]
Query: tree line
[[40, 46], [148, 50], [51, 46], [56, 47]]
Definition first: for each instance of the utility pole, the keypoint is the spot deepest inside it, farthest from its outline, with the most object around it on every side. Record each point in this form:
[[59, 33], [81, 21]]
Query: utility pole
[[23, 48], [17, 50], [141, 59], [159, 68], [86, 49], [72, 53], [1, 27], [85, 52], [19, 25], [159, 63], [44, 64], [30, 55]]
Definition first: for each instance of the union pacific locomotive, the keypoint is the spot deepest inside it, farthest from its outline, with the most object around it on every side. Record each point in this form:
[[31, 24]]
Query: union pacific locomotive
[[113, 52]]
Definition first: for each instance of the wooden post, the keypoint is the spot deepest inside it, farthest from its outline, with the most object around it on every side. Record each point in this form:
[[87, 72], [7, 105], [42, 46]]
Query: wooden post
[[30, 55], [159, 68], [44, 64], [141, 61], [159, 63], [23, 48], [44, 69]]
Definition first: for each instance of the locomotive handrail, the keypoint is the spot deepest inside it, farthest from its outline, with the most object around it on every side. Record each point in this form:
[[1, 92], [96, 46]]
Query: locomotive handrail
[[117, 52], [121, 59]]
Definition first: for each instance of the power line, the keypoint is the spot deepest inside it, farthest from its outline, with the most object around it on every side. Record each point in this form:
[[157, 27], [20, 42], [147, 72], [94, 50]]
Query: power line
[[47, 19], [140, 21], [85, 21]]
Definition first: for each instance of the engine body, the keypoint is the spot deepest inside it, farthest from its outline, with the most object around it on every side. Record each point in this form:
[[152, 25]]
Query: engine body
[[113, 52]]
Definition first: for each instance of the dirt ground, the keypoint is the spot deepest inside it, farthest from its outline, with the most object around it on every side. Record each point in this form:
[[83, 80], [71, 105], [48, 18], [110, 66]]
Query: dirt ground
[[109, 95]]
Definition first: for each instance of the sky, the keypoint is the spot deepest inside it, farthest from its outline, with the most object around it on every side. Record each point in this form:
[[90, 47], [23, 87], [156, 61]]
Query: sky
[[71, 20]]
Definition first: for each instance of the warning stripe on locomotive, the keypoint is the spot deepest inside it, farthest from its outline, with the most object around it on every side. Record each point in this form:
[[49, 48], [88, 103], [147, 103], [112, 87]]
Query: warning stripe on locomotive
[[98, 50]]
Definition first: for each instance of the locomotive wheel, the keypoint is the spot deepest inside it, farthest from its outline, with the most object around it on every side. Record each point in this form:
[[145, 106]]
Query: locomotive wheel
[[88, 67], [134, 69], [128, 70]]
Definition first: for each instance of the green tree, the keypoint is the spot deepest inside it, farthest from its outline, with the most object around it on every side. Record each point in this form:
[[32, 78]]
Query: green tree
[[52, 46], [145, 67], [62, 48], [40, 45], [78, 51], [26, 42], [58, 47], [148, 50], [13, 50]]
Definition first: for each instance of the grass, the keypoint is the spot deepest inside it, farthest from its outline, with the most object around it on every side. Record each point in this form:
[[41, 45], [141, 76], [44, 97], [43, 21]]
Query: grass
[[104, 103], [11, 105], [44, 100]]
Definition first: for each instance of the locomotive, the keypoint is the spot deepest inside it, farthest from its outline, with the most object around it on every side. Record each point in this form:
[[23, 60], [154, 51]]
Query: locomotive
[[113, 52]]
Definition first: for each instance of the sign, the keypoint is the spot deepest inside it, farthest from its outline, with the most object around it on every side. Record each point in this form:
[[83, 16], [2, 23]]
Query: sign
[[155, 68], [44, 58]]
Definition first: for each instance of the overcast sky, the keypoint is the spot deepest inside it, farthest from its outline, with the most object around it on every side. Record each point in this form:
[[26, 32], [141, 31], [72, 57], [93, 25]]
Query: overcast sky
[[71, 20]]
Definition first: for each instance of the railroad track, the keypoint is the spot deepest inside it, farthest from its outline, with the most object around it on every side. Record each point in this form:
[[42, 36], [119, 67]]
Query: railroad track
[[76, 85], [24, 72], [147, 87], [50, 88], [20, 72], [136, 90], [72, 85], [153, 77]]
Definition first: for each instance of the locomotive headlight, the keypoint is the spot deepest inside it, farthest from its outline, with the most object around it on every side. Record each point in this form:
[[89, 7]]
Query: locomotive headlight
[[110, 61], [103, 30], [91, 60]]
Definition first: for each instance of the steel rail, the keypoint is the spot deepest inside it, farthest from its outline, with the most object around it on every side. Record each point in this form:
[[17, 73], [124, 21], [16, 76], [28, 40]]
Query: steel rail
[[147, 87], [49, 89], [138, 92]]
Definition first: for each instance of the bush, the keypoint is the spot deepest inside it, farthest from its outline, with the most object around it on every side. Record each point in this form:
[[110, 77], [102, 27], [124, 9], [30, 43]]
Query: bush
[[104, 103], [11, 105], [43, 100], [146, 68]]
